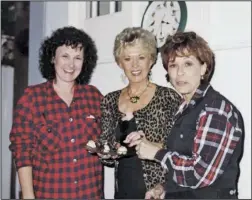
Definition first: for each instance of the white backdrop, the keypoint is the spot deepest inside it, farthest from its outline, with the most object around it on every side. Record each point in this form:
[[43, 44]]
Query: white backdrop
[[6, 117]]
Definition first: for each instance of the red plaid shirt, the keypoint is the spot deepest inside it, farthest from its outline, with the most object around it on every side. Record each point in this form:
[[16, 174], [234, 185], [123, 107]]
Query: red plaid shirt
[[48, 135], [217, 133]]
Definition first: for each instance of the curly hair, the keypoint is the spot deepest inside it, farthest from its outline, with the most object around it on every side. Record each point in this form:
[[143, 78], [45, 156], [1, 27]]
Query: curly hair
[[131, 35], [69, 36], [188, 43]]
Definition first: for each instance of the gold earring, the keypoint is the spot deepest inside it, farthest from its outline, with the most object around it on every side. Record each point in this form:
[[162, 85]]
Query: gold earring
[[123, 78], [150, 75]]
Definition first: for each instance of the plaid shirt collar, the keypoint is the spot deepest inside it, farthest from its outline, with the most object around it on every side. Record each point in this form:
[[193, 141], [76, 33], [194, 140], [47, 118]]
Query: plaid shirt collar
[[198, 96], [50, 92]]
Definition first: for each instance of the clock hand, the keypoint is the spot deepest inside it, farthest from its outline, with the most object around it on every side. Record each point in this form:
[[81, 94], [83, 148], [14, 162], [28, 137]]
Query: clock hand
[[162, 21], [161, 31]]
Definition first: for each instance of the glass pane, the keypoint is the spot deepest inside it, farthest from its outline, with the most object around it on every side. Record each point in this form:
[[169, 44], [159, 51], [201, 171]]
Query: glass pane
[[118, 6], [88, 9], [103, 8]]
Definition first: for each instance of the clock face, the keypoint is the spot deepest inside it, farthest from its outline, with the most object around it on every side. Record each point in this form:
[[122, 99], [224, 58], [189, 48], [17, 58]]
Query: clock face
[[164, 18]]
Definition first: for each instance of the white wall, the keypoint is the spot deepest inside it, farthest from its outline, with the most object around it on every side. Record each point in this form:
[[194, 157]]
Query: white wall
[[36, 33], [103, 30], [233, 79], [46, 17], [6, 122]]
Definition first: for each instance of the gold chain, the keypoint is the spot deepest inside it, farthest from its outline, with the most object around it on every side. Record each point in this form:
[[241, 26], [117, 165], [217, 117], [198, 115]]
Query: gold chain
[[136, 98]]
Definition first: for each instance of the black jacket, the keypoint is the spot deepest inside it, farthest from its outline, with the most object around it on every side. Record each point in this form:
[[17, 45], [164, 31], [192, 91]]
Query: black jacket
[[181, 140]]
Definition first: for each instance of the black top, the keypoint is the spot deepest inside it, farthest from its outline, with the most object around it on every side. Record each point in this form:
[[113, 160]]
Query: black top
[[155, 120], [129, 174], [123, 129]]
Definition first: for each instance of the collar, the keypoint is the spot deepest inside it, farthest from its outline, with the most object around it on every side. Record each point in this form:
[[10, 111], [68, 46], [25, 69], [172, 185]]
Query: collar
[[197, 97], [50, 92], [199, 94]]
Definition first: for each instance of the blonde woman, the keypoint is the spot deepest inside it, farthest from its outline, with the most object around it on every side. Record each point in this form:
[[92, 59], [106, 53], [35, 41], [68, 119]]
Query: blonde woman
[[153, 108]]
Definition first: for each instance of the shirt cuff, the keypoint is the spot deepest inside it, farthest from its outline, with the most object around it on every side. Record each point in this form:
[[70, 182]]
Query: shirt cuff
[[160, 154], [20, 164], [163, 156], [22, 159]]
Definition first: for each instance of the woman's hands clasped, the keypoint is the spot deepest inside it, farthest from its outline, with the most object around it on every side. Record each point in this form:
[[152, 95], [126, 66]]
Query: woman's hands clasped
[[157, 192], [144, 148]]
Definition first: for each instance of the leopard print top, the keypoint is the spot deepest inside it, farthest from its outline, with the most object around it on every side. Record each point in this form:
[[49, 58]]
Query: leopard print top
[[155, 120]]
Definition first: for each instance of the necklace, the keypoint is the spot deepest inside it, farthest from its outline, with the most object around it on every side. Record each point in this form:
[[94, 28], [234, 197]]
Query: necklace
[[136, 98]]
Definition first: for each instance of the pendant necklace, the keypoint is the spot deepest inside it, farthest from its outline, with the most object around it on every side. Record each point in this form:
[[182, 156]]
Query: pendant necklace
[[136, 98]]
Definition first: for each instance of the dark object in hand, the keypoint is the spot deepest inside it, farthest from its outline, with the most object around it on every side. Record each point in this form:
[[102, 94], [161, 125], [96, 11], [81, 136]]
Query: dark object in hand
[[99, 148], [123, 129]]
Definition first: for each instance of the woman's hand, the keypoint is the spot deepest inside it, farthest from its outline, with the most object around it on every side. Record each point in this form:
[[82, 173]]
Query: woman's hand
[[133, 138], [157, 192], [144, 148], [104, 156]]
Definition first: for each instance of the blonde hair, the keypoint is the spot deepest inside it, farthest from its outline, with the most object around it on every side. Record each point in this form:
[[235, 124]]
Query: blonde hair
[[133, 35]]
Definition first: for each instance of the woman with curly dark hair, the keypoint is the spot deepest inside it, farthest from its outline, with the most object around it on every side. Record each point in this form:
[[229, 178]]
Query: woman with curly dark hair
[[53, 119]]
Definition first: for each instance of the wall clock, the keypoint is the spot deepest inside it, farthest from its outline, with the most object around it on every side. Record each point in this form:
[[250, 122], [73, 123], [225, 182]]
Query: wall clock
[[164, 18]]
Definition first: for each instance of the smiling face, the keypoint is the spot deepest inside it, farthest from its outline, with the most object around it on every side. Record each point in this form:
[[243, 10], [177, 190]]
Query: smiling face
[[136, 62], [185, 73], [68, 63]]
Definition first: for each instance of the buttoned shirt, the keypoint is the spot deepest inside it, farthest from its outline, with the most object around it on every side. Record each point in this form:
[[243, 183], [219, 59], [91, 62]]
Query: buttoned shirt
[[49, 136], [218, 132]]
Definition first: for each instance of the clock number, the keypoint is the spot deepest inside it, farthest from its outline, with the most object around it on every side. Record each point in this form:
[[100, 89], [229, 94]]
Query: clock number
[[152, 23], [161, 39], [158, 7], [163, 22], [174, 12]]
